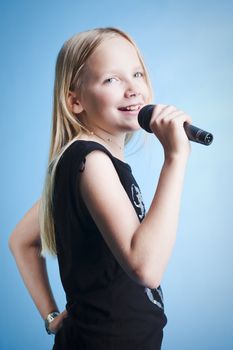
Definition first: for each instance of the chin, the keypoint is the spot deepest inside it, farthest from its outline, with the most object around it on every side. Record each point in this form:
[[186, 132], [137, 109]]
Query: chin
[[133, 127]]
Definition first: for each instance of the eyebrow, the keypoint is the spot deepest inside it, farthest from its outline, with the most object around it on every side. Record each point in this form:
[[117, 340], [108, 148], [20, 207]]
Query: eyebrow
[[111, 71], [116, 71]]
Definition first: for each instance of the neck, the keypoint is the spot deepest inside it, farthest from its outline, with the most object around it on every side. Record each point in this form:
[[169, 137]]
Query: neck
[[114, 143]]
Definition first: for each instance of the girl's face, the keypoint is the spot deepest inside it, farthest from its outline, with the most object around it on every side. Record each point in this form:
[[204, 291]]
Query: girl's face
[[114, 87]]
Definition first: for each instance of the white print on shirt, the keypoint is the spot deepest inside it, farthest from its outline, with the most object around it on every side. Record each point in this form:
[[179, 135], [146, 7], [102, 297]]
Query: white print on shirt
[[150, 295], [137, 199]]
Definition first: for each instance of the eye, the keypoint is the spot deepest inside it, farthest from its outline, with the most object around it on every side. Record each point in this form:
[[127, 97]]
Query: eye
[[110, 80], [138, 74]]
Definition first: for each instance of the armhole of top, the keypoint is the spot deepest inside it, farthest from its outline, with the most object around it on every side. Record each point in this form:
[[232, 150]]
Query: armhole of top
[[82, 165]]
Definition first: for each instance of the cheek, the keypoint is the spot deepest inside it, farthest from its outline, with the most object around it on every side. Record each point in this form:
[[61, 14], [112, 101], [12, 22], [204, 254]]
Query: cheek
[[104, 99], [146, 92]]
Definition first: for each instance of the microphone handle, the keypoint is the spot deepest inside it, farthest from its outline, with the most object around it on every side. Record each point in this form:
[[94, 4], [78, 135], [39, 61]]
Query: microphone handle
[[198, 135]]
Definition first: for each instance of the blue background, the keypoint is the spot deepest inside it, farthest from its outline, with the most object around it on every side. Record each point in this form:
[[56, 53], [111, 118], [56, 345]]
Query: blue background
[[188, 49]]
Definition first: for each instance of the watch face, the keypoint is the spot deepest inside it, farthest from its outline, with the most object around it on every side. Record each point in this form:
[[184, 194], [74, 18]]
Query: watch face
[[49, 319]]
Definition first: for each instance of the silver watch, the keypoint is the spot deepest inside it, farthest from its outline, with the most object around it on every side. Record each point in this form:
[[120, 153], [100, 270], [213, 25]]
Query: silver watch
[[49, 319]]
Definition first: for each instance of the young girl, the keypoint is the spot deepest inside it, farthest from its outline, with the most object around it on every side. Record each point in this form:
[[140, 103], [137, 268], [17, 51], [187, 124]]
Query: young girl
[[111, 255]]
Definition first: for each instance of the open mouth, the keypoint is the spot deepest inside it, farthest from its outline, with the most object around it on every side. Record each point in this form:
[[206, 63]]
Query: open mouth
[[131, 108]]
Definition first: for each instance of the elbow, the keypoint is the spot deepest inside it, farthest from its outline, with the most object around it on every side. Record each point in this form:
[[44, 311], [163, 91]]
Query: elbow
[[19, 246], [12, 244], [15, 243], [148, 277]]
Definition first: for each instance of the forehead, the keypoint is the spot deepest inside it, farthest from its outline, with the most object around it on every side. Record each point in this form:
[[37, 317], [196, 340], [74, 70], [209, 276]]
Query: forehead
[[113, 53]]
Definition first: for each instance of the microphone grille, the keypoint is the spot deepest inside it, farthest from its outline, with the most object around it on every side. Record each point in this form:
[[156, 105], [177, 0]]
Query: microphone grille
[[144, 117]]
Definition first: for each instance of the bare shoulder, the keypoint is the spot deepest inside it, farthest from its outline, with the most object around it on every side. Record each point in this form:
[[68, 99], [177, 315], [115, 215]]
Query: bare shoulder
[[100, 182], [109, 205], [99, 162]]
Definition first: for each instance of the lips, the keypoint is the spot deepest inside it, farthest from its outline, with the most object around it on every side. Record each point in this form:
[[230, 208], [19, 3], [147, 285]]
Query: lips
[[134, 107]]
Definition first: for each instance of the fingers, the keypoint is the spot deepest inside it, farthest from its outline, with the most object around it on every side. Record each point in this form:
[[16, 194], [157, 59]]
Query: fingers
[[163, 113], [167, 123], [65, 313], [168, 115]]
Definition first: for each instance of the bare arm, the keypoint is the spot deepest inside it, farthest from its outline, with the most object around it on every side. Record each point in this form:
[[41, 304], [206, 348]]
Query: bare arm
[[25, 245], [143, 250]]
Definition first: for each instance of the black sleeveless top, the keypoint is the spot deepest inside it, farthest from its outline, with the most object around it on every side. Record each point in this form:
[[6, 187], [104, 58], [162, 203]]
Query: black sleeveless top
[[107, 308]]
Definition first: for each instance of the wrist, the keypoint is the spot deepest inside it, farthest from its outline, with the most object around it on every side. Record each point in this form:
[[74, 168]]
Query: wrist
[[176, 158], [50, 317]]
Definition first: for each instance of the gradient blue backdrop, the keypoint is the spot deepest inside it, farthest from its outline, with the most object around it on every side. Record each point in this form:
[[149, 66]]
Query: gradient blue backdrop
[[188, 49]]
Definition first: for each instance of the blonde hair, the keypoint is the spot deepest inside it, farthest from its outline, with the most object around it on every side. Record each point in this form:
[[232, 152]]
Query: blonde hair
[[66, 127]]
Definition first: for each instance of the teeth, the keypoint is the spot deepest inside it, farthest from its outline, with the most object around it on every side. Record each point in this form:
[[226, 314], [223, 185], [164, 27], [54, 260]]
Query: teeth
[[132, 108]]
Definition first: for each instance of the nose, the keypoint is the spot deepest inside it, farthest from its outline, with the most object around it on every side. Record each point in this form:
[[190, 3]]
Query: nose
[[131, 93], [132, 90]]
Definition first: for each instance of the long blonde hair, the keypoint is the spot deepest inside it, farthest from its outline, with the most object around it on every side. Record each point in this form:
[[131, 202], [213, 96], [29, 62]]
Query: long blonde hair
[[66, 127]]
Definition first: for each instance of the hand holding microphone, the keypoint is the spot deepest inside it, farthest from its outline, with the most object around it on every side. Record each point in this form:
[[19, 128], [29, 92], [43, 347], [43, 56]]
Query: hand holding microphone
[[193, 133]]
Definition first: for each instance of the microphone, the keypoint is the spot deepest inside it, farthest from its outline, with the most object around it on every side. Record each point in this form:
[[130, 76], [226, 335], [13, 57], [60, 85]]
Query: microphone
[[193, 133]]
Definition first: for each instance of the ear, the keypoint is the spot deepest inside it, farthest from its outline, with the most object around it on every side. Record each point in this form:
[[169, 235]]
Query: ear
[[74, 104]]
